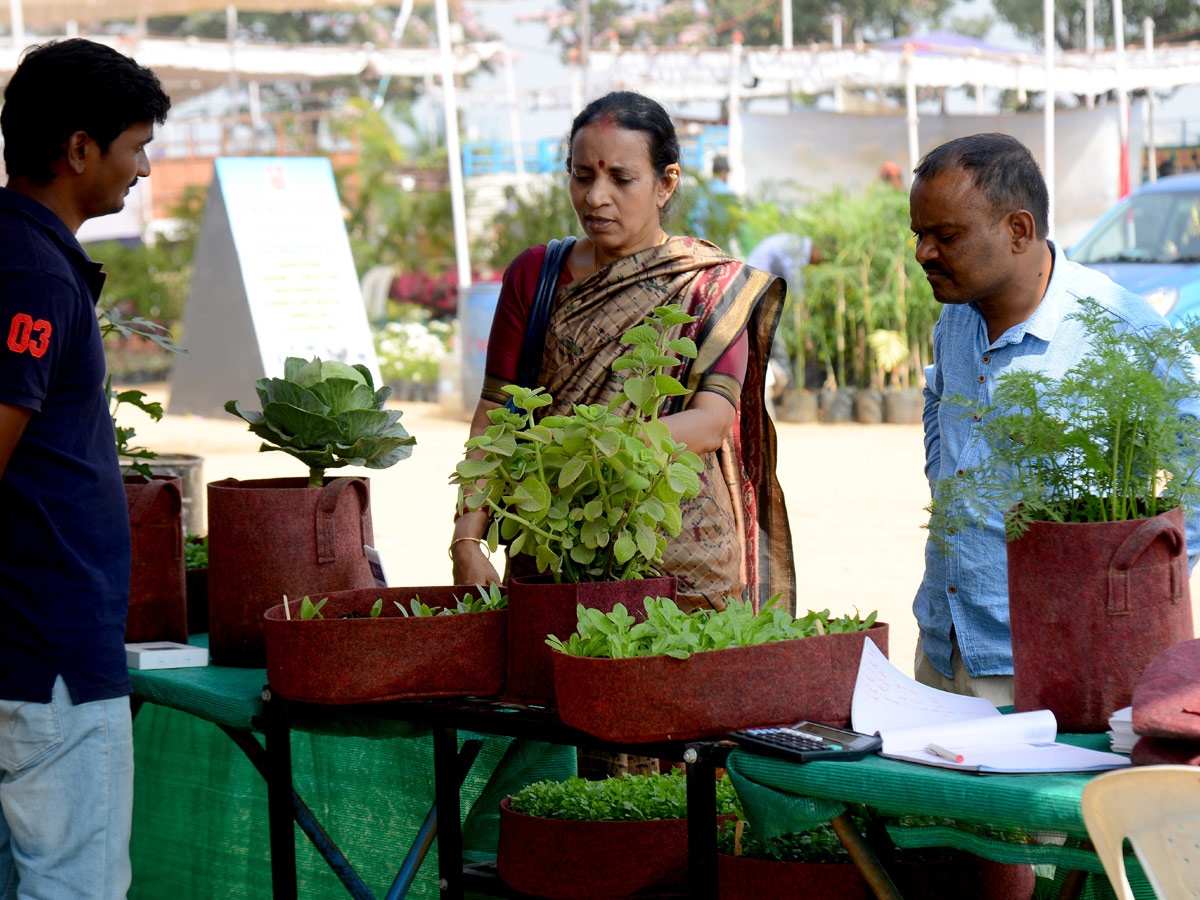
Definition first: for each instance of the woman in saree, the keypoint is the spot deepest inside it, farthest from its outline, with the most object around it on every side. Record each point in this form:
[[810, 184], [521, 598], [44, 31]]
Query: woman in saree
[[623, 165]]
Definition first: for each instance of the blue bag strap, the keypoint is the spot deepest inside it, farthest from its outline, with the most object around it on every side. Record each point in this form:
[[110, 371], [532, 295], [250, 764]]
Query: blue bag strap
[[534, 343]]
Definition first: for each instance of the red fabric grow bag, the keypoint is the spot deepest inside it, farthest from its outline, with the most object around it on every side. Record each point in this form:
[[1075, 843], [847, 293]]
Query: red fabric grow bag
[[1166, 701], [358, 660], [157, 580], [960, 875], [743, 878], [1090, 605], [538, 607], [660, 698], [275, 536], [571, 860]]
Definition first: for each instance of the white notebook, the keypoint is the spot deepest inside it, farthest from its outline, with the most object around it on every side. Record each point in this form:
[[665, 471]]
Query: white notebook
[[911, 717]]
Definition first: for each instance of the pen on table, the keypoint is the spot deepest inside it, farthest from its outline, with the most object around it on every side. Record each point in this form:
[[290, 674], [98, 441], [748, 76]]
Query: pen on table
[[952, 755]]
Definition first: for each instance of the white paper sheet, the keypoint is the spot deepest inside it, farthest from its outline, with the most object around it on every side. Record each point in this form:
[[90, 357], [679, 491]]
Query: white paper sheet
[[886, 698], [910, 717]]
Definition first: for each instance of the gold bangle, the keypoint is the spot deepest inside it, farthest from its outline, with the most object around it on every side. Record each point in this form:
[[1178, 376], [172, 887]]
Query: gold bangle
[[458, 540]]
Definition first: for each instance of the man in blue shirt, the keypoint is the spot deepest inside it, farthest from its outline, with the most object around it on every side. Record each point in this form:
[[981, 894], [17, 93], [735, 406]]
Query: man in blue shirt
[[979, 210], [76, 120]]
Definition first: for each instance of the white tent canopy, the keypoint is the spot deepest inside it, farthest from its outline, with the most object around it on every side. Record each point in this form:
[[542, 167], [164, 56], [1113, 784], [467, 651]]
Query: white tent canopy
[[255, 60], [680, 75], [46, 13]]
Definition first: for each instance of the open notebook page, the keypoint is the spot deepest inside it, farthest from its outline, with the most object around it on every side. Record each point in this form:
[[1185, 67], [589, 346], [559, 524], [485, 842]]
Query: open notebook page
[[909, 716]]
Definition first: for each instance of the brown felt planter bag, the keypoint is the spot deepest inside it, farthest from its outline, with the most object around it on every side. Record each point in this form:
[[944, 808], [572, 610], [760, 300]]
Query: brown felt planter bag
[[275, 536], [660, 698], [157, 581], [958, 875], [392, 657], [571, 860], [1090, 606], [538, 607]]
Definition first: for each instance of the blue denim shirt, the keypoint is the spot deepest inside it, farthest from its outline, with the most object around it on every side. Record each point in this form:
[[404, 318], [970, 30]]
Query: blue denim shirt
[[966, 589]]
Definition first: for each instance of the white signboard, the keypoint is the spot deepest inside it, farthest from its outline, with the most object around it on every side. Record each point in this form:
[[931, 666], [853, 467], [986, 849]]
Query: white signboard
[[273, 277], [295, 258]]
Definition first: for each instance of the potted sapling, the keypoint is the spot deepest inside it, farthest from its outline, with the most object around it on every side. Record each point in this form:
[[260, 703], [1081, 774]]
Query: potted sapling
[[682, 676], [293, 536], [1092, 476], [550, 832], [589, 498], [376, 644]]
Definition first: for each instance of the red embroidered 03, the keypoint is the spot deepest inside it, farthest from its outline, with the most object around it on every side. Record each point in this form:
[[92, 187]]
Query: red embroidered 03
[[27, 334]]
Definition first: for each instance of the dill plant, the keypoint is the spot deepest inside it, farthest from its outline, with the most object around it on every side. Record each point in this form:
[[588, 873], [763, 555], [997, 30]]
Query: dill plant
[[1106, 442]]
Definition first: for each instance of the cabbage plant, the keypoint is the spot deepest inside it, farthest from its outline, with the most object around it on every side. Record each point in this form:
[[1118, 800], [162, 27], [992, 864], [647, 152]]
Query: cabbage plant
[[327, 415]]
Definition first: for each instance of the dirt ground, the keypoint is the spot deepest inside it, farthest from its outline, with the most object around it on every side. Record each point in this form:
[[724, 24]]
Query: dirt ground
[[855, 496]]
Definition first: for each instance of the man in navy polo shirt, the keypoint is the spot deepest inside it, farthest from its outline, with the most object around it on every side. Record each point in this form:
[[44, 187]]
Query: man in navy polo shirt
[[76, 120]]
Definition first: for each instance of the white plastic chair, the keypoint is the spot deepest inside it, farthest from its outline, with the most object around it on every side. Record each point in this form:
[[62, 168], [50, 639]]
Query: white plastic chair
[[1158, 809]]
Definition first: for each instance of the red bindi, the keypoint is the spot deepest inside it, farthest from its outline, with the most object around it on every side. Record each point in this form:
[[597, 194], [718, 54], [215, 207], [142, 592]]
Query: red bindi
[[601, 164]]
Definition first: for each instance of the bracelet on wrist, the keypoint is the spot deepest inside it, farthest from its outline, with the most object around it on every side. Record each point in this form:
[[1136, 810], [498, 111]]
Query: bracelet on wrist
[[480, 541]]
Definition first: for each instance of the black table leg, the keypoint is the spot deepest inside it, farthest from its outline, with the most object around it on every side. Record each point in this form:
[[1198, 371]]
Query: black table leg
[[277, 730], [446, 769], [702, 822], [305, 819]]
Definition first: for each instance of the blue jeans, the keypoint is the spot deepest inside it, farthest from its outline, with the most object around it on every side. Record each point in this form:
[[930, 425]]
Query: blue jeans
[[66, 798]]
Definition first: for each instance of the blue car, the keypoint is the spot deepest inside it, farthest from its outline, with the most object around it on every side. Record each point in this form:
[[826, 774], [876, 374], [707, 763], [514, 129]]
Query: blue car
[[1149, 243]]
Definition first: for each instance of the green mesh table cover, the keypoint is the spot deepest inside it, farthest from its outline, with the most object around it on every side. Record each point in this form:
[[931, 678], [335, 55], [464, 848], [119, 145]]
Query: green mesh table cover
[[221, 694], [781, 797], [200, 826]]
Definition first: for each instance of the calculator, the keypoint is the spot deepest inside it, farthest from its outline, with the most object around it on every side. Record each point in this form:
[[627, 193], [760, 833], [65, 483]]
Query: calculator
[[808, 742]]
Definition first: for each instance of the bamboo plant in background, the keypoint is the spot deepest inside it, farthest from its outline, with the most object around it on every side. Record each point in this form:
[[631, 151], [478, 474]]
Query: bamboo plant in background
[[868, 300]]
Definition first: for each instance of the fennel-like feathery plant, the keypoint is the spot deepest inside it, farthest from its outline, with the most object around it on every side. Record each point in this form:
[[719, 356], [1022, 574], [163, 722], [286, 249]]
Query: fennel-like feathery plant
[[1106, 442]]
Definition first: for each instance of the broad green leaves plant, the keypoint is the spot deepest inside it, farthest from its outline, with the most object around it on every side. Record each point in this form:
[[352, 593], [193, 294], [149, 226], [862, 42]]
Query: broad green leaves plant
[[632, 798], [327, 415], [1104, 443], [594, 495], [668, 631]]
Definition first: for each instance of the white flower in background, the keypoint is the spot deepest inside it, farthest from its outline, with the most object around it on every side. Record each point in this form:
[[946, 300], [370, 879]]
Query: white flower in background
[[411, 351]]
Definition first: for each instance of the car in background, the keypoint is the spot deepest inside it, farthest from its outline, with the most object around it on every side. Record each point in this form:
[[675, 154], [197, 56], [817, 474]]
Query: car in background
[[1149, 243]]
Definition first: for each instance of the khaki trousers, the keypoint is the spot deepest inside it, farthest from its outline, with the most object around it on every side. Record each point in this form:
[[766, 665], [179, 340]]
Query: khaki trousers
[[998, 689]]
